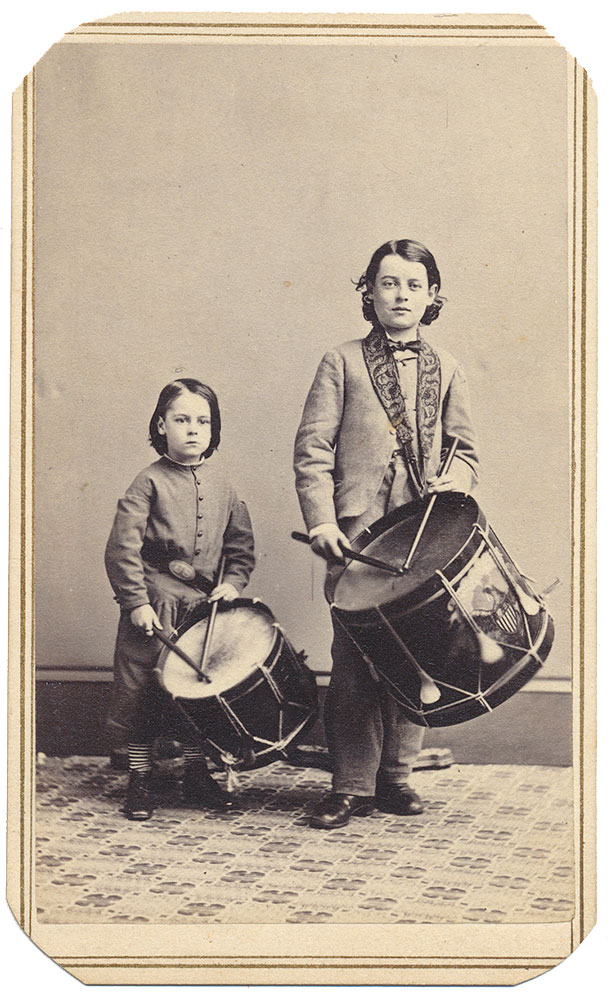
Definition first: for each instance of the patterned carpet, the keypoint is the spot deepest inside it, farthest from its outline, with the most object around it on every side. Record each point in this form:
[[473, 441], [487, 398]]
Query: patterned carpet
[[493, 845]]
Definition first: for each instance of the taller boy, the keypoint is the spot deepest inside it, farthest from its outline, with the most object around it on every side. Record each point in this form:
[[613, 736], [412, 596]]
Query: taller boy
[[379, 415]]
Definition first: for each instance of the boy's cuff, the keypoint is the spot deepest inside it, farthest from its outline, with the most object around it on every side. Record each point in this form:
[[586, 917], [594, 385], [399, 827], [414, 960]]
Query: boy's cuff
[[236, 581], [319, 528]]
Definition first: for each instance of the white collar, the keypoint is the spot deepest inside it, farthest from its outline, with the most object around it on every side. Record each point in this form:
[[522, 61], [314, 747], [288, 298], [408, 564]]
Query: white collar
[[184, 465]]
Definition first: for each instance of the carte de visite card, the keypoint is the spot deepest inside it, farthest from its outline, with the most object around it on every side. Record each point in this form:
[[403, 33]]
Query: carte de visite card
[[275, 206]]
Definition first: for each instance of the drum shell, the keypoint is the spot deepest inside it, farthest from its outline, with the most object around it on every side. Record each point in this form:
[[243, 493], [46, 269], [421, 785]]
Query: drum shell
[[435, 656]]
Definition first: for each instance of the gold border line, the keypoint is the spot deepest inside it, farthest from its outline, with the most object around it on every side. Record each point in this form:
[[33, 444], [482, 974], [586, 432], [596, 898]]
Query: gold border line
[[426, 958], [22, 525], [573, 386], [583, 347], [27, 715], [292, 964], [294, 34], [306, 24], [32, 512]]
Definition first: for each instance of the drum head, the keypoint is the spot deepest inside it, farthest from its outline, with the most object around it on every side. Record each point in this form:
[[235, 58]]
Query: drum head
[[242, 639], [448, 529]]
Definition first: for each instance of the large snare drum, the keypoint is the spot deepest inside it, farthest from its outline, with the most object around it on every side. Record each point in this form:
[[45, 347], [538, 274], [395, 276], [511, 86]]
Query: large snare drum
[[260, 694], [457, 634]]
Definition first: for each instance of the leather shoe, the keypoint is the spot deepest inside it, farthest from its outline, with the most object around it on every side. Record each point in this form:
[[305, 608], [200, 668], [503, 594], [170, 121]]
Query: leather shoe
[[337, 808], [398, 799], [201, 790]]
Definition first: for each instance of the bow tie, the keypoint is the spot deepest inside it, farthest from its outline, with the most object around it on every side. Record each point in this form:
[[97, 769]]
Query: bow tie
[[397, 345]]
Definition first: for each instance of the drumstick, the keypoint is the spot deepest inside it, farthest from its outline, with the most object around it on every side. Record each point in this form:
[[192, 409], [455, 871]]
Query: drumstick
[[445, 466], [299, 536], [166, 641], [210, 623]]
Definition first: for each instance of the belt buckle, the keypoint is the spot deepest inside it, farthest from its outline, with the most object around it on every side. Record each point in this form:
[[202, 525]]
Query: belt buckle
[[182, 570]]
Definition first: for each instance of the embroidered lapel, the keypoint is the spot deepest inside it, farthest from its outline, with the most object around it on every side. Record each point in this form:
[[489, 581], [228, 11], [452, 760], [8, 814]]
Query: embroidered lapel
[[383, 374]]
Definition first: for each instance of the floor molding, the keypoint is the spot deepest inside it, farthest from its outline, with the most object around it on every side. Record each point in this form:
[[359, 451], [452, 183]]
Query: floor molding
[[97, 675], [533, 727]]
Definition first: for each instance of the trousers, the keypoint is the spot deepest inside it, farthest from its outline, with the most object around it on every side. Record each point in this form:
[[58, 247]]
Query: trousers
[[140, 709], [368, 735]]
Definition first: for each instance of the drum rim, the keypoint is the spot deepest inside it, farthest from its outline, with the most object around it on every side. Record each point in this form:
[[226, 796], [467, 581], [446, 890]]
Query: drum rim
[[251, 680], [430, 589], [190, 621]]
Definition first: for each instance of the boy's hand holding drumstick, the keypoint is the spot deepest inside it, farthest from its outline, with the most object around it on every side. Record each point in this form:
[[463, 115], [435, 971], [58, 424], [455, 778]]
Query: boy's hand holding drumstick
[[146, 618], [327, 541], [223, 592], [443, 484]]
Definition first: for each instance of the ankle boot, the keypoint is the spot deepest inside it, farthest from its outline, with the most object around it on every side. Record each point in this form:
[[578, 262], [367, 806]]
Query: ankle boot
[[139, 803]]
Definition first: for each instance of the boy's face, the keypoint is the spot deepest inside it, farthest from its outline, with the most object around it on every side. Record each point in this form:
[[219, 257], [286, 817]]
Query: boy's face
[[401, 295], [187, 425]]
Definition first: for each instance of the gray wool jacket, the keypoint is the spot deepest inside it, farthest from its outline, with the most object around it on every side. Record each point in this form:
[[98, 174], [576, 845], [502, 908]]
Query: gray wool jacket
[[345, 440]]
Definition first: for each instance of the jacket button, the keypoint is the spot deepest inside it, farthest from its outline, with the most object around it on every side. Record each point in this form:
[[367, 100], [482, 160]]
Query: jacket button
[[197, 551], [201, 498], [198, 482], [199, 516], [199, 533]]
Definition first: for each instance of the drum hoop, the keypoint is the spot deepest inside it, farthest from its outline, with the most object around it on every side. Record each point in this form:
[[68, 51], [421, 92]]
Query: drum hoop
[[191, 620], [488, 537], [376, 529], [399, 607], [257, 674], [459, 575]]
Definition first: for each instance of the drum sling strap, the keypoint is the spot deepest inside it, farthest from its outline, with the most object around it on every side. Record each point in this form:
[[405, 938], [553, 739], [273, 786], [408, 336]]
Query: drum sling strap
[[383, 373]]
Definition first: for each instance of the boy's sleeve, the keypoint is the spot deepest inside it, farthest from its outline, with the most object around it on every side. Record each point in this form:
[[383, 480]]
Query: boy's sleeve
[[238, 546], [315, 443], [123, 560], [457, 422]]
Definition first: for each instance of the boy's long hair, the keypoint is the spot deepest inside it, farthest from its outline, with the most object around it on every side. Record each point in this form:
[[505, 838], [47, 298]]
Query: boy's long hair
[[408, 250], [171, 392]]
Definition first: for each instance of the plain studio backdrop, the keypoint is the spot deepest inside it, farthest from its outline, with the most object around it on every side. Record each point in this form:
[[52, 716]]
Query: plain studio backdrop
[[203, 210]]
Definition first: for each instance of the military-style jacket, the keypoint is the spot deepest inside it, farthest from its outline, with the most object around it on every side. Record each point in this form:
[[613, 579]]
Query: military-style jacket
[[188, 512]]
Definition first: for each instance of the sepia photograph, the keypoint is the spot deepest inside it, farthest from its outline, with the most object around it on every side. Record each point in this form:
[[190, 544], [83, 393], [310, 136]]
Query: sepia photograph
[[303, 475]]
